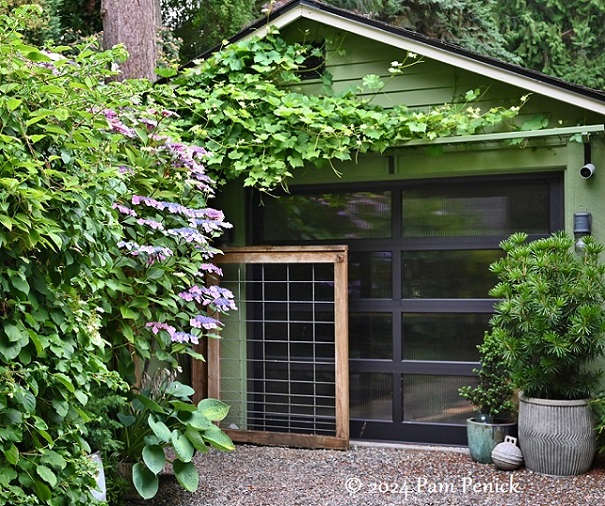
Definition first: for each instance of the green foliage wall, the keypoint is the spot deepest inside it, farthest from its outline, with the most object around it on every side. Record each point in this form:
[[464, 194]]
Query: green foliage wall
[[105, 239], [55, 222]]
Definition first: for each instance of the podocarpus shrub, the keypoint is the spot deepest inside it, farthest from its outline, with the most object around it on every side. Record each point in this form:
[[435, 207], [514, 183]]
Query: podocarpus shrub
[[78, 288], [550, 319], [493, 395]]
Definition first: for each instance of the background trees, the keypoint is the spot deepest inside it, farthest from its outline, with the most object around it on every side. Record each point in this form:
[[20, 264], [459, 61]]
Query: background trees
[[562, 38], [559, 37], [133, 23]]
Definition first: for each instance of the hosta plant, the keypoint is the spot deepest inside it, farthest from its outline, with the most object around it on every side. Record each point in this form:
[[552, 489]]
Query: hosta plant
[[161, 426]]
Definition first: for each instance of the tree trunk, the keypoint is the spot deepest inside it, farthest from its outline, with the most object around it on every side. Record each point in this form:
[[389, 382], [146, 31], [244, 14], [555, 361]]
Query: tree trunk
[[133, 23]]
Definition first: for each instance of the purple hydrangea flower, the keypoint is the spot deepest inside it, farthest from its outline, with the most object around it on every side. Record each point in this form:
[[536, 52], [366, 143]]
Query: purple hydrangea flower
[[205, 322]]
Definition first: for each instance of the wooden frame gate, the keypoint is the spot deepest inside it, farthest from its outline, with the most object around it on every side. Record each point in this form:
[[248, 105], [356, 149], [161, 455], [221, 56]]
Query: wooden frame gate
[[282, 360]]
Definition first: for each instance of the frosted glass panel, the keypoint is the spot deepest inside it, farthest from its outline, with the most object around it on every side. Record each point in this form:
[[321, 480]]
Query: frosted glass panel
[[435, 399], [448, 274], [370, 275], [443, 336], [371, 396], [327, 216], [370, 335], [482, 209]]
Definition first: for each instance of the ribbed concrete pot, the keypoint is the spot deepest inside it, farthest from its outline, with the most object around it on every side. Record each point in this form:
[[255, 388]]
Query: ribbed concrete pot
[[556, 437]]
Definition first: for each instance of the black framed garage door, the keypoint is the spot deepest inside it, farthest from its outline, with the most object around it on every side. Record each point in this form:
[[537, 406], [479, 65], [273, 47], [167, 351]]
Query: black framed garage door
[[419, 255]]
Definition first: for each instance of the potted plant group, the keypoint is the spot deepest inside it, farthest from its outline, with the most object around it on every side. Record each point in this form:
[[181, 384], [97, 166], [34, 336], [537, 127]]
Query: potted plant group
[[492, 398], [550, 325]]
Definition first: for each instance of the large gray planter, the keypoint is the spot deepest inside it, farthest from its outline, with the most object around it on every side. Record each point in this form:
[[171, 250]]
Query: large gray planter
[[556, 437]]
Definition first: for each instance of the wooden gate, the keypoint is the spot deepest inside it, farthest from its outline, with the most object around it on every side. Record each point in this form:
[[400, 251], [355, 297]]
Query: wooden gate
[[282, 360]]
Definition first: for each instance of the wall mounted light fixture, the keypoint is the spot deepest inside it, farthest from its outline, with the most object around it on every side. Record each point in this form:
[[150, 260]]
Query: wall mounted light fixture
[[582, 224], [588, 169]]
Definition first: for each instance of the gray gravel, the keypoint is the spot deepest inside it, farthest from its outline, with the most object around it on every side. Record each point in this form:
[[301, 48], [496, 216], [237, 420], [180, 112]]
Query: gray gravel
[[373, 475]]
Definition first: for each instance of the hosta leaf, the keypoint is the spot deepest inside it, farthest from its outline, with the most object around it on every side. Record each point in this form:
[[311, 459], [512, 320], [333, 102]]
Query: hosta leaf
[[186, 474], [217, 438], [213, 409], [145, 482], [161, 431], [182, 446], [196, 439], [178, 389], [154, 458]]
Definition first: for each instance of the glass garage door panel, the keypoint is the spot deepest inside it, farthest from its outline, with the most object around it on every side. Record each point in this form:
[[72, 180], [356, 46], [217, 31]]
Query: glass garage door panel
[[481, 209], [435, 399], [371, 396], [443, 336], [438, 274], [328, 216], [371, 335]]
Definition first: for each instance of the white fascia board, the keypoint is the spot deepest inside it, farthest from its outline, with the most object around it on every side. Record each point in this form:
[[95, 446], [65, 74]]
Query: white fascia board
[[435, 53]]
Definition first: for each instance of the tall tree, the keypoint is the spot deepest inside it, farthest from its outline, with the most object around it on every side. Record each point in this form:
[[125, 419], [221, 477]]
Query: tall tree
[[203, 24], [467, 23], [563, 38], [133, 23]]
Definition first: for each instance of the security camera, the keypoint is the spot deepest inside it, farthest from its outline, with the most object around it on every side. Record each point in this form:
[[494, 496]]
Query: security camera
[[587, 171]]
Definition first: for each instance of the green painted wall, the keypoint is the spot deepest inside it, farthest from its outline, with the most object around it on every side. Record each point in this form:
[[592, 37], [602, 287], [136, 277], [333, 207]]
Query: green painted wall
[[350, 57]]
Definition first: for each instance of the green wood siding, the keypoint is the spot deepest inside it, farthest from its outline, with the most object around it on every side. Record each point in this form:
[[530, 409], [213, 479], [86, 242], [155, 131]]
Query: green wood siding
[[350, 57]]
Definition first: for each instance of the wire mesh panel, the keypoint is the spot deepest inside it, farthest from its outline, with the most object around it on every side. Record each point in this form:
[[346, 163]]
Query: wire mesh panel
[[282, 364]]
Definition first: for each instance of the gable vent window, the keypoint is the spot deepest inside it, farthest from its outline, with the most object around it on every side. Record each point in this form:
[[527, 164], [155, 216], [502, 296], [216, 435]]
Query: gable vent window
[[315, 64]]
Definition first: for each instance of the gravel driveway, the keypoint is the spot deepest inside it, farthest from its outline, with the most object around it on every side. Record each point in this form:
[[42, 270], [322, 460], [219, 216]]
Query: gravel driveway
[[373, 475]]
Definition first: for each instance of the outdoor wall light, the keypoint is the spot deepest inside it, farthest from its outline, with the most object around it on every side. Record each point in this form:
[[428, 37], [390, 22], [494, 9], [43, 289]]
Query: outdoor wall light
[[581, 228], [588, 169]]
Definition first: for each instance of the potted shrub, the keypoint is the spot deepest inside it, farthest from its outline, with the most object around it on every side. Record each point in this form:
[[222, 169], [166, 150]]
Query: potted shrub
[[550, 323], [493, 401]]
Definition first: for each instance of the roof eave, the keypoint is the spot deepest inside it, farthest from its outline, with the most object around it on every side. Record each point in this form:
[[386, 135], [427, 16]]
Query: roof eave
[[525, 79]]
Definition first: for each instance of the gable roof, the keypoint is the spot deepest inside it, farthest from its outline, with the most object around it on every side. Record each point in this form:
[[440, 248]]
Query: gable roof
[[530, 80]]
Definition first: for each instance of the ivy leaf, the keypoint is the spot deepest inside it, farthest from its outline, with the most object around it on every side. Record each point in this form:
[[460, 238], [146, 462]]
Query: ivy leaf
[[26, 399], [65, 381], [12, 332], [12, 454], [12, 103], [47, 475], [373, 82], [6, 221], [42, 491]]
